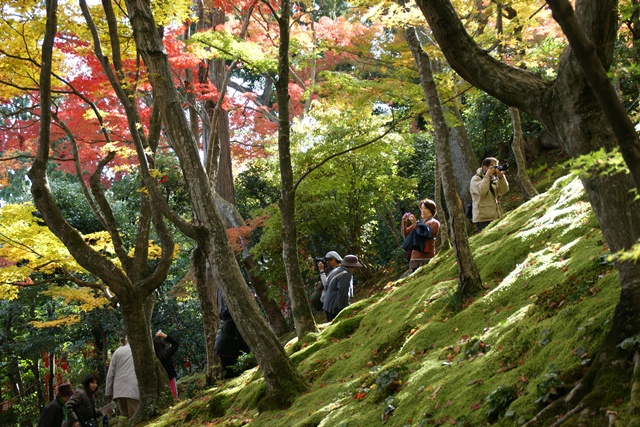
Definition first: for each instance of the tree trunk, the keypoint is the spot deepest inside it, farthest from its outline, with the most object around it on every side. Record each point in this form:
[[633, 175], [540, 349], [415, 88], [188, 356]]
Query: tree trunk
[[522, 178], [224, 181], [232, 218], [444, 239], [210, 319], [300, 308], [463, 158], [469, 276], [152, 380], [570, 112], [282, 380], [586, 55]]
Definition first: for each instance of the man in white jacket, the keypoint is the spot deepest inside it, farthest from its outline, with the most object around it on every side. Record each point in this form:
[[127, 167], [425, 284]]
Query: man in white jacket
[[121, 384]]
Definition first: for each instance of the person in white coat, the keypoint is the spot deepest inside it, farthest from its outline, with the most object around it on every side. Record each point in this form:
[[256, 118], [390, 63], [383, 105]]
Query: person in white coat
[[121, 384], [486, 187]]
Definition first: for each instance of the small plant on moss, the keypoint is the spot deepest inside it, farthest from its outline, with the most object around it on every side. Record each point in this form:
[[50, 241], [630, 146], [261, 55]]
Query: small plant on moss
[[499, 400], [389, 407], [245, 361], [630, 343], [549, 385], [454, 299], [476, 346], [389, 381]]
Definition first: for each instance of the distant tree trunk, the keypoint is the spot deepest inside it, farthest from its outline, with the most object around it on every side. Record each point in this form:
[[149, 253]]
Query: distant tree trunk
[[464, 160], [281, 378], [469, 276], [210, 318], [276, 320], [224, 175], [571, 113], [300, 308], [442, 217], [528, 190]]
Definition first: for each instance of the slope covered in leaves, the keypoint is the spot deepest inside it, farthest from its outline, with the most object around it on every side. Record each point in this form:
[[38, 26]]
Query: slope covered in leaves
[[412, 355]]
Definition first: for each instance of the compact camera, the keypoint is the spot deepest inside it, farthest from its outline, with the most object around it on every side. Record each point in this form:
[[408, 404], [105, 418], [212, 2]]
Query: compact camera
[[406, 215]]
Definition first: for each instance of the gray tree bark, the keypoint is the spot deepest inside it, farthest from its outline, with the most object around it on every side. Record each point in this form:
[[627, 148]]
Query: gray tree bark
[[464, 160], [469, 276]]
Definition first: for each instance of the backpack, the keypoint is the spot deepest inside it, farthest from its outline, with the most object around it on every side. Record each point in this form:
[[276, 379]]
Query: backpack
[[468, 211]]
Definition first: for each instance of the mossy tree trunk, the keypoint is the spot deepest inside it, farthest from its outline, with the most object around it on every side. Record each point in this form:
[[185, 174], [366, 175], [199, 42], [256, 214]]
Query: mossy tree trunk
[[469, 277], [570, 112]]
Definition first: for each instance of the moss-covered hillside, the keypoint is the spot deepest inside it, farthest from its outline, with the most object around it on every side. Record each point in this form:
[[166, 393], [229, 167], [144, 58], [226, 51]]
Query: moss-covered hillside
[[412, 355]]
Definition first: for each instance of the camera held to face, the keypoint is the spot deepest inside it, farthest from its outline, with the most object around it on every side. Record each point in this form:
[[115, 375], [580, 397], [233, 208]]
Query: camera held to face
[[503, 167], [322, 260]]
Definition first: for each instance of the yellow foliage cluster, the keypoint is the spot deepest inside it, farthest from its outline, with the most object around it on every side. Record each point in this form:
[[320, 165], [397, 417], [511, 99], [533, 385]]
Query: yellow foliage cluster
[[27, 247], [84, 298], [61, 321]]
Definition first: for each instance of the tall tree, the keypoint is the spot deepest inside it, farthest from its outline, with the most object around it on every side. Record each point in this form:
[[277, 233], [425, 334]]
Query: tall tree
[[281, 378], [569, 110], [135, 282], [302, 316], [469, 276]]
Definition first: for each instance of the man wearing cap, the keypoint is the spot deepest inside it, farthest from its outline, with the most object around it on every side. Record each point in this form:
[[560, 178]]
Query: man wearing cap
[[333, 259], [55, 414], [339, 287]]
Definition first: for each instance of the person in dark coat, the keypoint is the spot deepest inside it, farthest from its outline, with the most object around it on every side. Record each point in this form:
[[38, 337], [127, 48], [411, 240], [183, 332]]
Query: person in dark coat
[[55, 414], [81, 407], [165, 354], [229, 343]]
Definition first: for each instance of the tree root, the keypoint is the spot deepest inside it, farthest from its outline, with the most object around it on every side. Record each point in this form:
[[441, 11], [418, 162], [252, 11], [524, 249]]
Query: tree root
[[635, 384], [568, 415], [554, 407]]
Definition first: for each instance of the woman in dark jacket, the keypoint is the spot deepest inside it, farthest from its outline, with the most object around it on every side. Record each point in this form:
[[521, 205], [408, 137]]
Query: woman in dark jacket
[[165, 354], [82, 405]]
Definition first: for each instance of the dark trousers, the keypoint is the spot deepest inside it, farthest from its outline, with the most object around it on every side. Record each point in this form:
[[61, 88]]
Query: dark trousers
[[481, 225], [330, 316]]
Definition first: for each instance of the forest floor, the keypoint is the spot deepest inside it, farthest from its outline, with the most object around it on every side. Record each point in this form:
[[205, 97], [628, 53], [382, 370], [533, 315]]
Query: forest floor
[[412, 354]]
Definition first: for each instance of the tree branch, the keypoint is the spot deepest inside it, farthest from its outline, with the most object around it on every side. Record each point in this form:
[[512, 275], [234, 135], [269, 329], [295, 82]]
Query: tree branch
[[354, 148], [586, 54]]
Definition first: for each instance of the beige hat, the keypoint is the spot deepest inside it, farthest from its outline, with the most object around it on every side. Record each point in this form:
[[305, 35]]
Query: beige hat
[[351, 261], [333, 254]]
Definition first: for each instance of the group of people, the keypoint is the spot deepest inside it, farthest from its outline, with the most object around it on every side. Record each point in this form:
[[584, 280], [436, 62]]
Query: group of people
[[486, 187], [78, 409]]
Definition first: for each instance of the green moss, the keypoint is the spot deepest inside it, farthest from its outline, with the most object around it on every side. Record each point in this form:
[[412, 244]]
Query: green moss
[[549, 301], [250, 394], [218, 405]]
